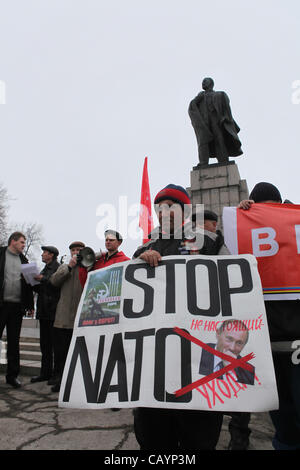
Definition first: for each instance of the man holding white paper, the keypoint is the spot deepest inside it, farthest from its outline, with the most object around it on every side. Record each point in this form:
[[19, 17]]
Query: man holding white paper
[[15, 298], [30, 271]]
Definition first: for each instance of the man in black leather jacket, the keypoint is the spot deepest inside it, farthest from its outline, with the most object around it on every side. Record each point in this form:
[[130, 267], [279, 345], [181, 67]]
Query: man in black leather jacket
[[48, 297]]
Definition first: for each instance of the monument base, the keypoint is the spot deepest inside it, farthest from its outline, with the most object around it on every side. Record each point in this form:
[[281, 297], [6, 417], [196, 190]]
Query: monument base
[[216, 186]]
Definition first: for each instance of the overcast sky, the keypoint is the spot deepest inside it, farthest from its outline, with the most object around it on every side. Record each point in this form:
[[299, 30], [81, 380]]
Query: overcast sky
[[93, 86]]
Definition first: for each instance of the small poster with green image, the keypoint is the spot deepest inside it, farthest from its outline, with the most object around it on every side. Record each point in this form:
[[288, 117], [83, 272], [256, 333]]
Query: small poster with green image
[[101, 304]]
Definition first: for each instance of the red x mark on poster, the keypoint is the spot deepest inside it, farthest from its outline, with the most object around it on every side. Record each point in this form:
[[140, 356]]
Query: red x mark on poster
[[241, 362]]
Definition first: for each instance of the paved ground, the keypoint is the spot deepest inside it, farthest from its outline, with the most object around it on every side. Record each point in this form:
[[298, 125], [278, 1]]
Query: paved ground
[[31, 420]]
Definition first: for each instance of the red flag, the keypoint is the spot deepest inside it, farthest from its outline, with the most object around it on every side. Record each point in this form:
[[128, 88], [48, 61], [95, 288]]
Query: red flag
[[145, 221]]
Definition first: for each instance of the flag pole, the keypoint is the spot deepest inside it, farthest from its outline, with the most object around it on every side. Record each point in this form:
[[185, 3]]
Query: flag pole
[[145, 220]]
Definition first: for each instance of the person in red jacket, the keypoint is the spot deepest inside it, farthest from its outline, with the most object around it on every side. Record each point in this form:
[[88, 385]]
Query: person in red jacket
[[113, 240]]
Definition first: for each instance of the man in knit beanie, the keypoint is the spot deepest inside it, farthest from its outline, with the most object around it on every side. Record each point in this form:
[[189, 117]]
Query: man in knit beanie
[[262, 192], [173, 207], [284, 330], [175, 429], [174, 193]]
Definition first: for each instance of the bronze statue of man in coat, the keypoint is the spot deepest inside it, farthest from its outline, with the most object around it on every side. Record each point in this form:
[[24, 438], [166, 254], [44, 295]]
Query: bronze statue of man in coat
[[215, 129]]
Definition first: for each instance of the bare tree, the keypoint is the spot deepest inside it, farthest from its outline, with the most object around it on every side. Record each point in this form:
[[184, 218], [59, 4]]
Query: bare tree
[[32, 231], [34, 238], [4, 198]]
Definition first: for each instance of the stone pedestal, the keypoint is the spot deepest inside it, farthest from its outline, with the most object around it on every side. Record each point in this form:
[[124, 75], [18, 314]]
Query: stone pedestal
[[216, 186]]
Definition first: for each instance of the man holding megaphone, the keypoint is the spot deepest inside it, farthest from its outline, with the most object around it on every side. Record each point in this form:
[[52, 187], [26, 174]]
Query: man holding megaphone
[[88, 261], [66, 278]]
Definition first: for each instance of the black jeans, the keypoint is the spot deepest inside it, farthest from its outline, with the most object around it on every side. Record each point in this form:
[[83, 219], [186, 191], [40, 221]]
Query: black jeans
[[11, 317], [286, 419], [239, 425], [46, 345], [176, 430], [61, 343]]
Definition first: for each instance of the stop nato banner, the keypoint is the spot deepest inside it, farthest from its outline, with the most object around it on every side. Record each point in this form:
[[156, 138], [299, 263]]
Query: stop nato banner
[[189, 334]]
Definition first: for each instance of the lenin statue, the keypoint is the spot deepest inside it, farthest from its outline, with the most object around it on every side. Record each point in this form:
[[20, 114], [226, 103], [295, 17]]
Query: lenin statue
[[215, 129]]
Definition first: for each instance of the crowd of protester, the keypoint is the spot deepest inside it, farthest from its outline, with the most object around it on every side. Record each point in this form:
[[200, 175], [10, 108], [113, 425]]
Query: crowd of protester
[[58, 294]]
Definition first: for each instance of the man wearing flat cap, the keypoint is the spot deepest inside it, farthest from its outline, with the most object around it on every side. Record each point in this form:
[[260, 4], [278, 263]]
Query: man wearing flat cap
[[113, 241], [67, 279], [210, 229], [210, 220], [48, 296], [238, 425]]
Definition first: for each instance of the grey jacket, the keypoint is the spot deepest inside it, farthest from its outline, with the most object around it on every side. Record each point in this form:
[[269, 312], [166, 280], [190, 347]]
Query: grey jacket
[[69, 295]]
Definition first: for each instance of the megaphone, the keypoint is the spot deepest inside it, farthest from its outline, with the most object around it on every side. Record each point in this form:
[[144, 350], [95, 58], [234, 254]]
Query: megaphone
[[86, 258]]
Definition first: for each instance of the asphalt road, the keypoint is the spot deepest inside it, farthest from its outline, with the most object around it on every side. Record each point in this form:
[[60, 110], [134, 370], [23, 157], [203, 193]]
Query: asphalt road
[[32, 420]]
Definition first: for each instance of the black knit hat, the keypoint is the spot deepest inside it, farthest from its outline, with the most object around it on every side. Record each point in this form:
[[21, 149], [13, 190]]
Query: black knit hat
[[265, 192]]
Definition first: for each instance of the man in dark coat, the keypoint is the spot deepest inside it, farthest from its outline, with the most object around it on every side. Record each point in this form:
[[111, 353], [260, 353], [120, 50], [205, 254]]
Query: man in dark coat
[[15, 298], [284, 329], [215, 129], [48, 297], [176, 429]]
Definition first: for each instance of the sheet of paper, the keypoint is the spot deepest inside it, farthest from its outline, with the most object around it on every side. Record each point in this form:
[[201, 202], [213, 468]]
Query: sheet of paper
[[29, 271]]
